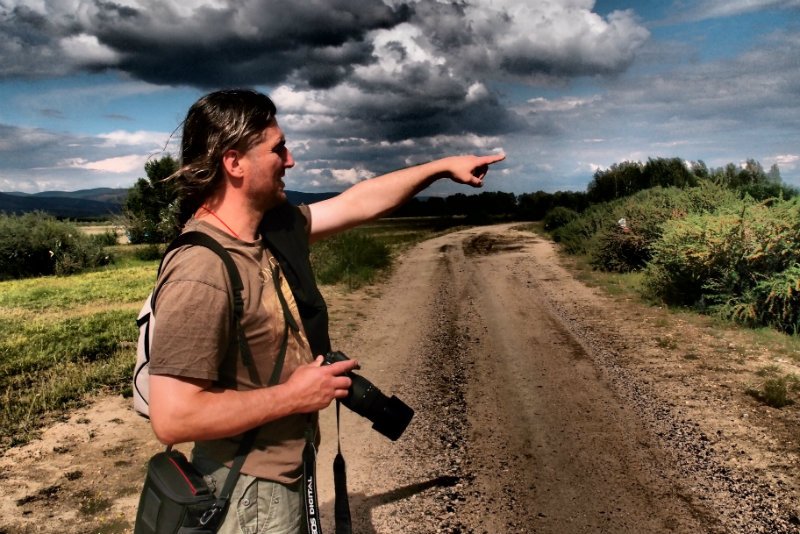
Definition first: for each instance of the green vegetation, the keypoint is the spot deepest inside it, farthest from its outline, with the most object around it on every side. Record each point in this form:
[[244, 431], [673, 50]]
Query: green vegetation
[[37, 244], [62, 337], [357, 257], [352, 257], [705, 242], [65, 337], [558, 217], [742, 262], [150, 213], [775, 388]]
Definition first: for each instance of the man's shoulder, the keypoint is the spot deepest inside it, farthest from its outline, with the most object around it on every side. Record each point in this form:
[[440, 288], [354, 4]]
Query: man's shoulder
[[194, 263]]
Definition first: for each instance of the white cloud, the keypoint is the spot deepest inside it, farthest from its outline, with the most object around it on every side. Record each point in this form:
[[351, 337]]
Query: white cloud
[[351, 176], [785, 162], [137, 138], [477, 91], [117, 165], [86, 49], [707, 9], [569, 103]]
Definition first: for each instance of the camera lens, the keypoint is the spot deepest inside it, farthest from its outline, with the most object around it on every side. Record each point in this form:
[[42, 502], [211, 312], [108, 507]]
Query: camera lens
[[389, 415]]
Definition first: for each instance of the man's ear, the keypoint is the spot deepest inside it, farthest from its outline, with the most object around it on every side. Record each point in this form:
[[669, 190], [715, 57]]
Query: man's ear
[[232, 163]]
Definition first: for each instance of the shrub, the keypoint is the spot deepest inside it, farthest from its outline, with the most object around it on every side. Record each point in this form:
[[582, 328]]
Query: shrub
[[558, 217], [630, 248], [577, 236], [620, 250], [107, 238], [351, 257], [36, 244], [775, 390], [741, 262], [773, 302]]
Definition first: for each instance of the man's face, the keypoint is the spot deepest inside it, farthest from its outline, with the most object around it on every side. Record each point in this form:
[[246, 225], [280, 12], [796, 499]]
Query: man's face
[[265, 165]]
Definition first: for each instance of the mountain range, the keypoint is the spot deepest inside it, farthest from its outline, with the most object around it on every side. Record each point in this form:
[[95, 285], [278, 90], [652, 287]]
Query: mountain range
[[98, 203]]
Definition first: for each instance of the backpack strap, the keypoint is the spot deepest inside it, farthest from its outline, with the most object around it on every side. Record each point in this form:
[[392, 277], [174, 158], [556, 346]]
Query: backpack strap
[[195, 238], [204, 240], [283, 231]]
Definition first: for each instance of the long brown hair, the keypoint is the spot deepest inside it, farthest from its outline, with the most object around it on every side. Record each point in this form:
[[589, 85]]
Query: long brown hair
[[219, 121]]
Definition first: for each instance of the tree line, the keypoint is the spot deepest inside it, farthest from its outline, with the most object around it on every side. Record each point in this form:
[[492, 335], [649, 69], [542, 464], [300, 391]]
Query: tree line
[[151, 209]]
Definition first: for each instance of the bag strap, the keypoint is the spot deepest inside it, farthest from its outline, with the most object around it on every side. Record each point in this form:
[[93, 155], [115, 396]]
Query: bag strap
[[237, 302], [250, 436]]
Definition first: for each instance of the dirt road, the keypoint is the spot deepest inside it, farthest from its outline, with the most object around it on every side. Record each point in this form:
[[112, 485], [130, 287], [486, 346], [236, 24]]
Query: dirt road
[[541, 406]]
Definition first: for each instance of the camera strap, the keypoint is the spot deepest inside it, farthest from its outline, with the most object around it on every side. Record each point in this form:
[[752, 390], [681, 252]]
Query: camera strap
[[342, 502], [309, 489]]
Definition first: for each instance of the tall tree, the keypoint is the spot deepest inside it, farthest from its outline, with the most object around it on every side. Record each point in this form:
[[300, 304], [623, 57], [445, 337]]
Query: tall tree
[[150, 210]]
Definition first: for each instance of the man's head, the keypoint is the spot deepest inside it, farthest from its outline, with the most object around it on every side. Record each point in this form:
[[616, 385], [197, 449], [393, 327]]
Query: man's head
[[218, 122]]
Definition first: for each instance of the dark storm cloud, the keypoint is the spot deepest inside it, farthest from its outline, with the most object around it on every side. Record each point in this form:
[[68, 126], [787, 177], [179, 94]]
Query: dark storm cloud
[[411, 71], [401, 76], [245, 42]]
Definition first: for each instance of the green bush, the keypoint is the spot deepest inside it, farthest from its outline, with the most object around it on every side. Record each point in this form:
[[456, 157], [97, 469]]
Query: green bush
[[36, 244], [351, 257], [740, 262], [107, 238], [620, 250], [774, 302], [558, 217], [578, 236], [628, 247]]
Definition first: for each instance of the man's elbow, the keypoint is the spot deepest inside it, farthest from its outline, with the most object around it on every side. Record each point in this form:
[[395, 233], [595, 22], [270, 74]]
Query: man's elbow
[[165, 427], [173, 407]]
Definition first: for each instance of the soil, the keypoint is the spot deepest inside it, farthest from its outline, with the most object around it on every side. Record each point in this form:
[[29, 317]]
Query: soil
[[542, 405]]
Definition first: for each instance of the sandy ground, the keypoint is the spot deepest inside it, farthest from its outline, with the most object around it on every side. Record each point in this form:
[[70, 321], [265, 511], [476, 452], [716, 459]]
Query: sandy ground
[[541, 406]]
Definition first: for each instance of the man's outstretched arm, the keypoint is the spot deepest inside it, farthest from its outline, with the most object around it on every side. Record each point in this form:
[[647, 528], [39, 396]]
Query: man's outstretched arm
[[376, 197]]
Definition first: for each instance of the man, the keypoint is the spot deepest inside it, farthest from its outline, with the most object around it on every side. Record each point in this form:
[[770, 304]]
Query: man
[[233, 160]]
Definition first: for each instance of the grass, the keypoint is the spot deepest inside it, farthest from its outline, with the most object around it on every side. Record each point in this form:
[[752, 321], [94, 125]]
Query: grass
[[775, 388], [361, 256], [629, 286], [617, 284], [63, 338]]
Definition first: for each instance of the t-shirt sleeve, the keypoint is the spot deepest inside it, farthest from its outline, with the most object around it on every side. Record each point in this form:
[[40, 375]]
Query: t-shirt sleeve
[[192, 316]]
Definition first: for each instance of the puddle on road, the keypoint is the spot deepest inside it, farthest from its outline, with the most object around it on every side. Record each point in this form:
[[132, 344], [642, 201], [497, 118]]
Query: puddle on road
[[490, 244]]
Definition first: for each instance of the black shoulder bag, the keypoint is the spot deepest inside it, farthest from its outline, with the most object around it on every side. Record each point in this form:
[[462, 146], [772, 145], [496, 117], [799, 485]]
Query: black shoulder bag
[[176, 498]]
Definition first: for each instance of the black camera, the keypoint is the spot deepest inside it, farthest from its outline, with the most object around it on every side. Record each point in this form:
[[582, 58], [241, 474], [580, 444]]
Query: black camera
[[389, 415]]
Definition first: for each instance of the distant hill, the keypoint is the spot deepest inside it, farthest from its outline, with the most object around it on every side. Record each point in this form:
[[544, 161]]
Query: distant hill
[[97, 203], [85, 204]]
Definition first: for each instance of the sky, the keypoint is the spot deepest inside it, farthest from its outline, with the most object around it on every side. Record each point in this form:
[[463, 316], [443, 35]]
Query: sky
[[90, 90]]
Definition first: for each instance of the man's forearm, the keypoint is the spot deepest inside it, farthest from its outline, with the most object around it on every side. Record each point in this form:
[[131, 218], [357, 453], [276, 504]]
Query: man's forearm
[[376, 197], [185, 409], [215, 413]]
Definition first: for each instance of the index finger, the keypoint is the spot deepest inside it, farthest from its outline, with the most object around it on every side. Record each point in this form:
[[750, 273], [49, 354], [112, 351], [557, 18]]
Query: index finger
[[342, 367], [492, 158]]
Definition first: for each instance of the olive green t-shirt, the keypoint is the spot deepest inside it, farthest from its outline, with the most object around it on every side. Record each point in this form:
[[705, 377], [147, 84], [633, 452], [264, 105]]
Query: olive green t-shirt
[[193, 333]]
